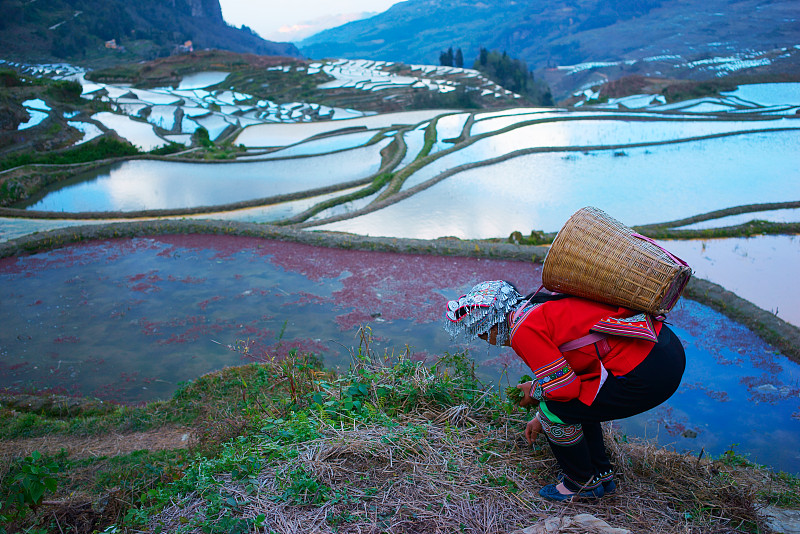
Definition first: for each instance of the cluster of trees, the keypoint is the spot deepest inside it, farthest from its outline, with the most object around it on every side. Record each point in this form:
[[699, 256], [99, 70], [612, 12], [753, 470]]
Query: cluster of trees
[[513, 74], [460, 98], [9, 78], [66, 90], [448, 59], [103, 148]]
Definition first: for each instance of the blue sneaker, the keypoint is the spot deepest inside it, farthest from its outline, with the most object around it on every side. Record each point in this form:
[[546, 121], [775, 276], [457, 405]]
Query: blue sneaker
[[609, 486], [551, 493]]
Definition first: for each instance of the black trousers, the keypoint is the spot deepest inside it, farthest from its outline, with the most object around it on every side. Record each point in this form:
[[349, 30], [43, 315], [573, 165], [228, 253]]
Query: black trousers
[[585, 462]]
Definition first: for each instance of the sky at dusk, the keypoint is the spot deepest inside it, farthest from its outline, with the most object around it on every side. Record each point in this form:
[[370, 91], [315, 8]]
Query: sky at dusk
[[294, 20]]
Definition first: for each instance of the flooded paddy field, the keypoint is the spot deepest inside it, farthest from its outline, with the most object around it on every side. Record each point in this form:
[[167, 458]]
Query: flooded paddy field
[[150, 185]]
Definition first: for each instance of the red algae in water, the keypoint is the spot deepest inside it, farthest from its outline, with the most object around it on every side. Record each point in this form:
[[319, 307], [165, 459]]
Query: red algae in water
[[395, 286], [128, 287]]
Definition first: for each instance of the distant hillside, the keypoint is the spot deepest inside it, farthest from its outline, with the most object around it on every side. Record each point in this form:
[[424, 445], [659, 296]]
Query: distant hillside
[[549, 33], [83, 30]]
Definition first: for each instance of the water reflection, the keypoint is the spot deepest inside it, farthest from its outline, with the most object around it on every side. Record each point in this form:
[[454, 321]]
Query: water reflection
[[140, 134], [147, 184], [448, 128], [637, 186], [415, 140], [781, 215], [592, 132], [321, 146], [199, 80], [756, 269], [162, 301], [271, 135], [15, 228], [768, 94]]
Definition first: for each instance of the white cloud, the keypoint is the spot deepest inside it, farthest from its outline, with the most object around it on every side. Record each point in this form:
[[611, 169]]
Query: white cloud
[[298, 32], [297, 19]]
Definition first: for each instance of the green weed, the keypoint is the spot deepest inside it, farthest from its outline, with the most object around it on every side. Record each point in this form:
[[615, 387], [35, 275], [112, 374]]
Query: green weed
[[786, 492], [301, 488], [30, 478]]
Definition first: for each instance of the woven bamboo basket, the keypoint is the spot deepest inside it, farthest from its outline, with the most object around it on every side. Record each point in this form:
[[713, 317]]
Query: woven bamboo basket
[[596, 257]]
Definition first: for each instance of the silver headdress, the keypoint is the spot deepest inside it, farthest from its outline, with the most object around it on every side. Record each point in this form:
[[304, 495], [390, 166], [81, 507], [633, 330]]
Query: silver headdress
[[487, 304]]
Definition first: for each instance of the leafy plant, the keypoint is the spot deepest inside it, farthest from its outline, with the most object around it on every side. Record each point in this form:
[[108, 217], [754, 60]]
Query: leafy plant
[[514, 394], [297, 429], [731, 457], [301, 487], [34, 476]]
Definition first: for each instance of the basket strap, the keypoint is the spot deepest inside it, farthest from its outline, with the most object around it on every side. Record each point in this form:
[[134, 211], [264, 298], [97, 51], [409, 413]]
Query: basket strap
[[667, 252], [581, 342]]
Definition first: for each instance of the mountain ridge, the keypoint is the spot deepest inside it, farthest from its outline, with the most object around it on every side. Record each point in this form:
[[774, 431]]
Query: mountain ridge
[[116, 31], [549, 34]]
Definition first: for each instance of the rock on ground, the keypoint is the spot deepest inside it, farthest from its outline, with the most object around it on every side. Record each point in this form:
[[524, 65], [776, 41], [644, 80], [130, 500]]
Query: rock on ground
[[782, 521], [584, 523]]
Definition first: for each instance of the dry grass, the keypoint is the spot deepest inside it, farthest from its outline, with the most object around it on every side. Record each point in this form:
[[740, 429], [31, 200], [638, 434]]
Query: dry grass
[[112, 444], [451, 471]]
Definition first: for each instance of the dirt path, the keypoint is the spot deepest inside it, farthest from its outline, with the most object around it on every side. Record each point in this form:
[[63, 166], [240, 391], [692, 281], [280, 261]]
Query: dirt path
[[94, 446]]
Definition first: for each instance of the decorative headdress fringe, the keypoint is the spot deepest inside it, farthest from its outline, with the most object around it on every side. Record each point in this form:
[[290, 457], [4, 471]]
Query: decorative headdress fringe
[[485, 306]]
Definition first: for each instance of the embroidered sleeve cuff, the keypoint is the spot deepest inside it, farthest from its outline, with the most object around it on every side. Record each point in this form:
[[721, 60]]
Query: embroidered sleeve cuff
[[536, 391]]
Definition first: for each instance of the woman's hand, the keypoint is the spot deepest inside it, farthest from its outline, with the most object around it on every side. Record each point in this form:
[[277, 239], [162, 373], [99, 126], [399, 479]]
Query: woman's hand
[[533, 429], [526, 394]]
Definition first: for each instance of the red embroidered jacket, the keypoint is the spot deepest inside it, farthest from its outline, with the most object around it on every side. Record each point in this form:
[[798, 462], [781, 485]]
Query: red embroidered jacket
[[537, 334]]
